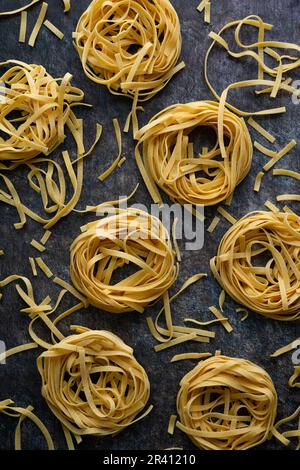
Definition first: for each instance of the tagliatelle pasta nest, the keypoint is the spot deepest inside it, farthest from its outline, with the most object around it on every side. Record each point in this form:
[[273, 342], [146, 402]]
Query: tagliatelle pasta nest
[[227, 404], [34, 109], [132, 47], [132, 237], [170, 162], [257, 264], [93, 384]]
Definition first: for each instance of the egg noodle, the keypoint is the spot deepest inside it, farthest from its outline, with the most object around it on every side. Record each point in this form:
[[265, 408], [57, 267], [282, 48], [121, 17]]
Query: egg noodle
[[170, 162], [98, 365], [269, 286], [132, 47], [130, 236], [226, 403]]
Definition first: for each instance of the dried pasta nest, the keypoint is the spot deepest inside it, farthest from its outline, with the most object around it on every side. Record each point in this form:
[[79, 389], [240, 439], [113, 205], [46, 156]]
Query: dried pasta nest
[[258, 264], [93, 384], [132, 47], [129, 237], [227, 404], [169, 160], [34, 109]]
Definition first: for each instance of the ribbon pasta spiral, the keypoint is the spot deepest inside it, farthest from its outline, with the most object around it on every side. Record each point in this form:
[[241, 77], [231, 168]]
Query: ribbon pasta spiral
[[227, 404], [98, 366], [129, 236], [168, 160], [132, 47], [257, 264], [34, 109]]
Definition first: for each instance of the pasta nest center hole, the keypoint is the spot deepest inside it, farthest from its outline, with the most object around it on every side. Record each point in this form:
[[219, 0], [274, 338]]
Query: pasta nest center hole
[[129, 46], [227, 404], [129, 238], [257, 264], [93, 384]]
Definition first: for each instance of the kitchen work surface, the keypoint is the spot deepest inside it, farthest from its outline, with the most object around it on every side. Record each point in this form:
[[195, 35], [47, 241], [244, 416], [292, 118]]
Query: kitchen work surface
[[256, 338]]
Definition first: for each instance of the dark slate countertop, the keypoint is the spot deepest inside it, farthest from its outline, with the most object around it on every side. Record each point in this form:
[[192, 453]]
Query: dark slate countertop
[[254, 339]]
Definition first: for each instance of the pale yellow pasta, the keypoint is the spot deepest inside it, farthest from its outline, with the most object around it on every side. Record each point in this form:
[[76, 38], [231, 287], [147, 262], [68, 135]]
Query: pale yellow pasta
[[43, 106], [257, 264], [168, 160], [132, 47], [129, 236], [226, 404], [101, 367]]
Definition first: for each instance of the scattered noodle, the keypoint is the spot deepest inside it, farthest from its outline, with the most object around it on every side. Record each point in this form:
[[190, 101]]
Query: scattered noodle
[[222, 297], [54, 29], [112, 402], [42, 265], [23, 27], [269, 205], [188, 356], [232, 220], [67, 5], [33, 266], [280, 154], [129, 236], [45, 237], [244, 311], [226, 404], [285, 349], [167, 163], [258, 180], [106, 31], [283, 172], [284, 437], [276, 80], [221, 317], [261, 130], [294, 377], [38, 24], [7, 408], [214, 223], [117, 160], [171, 426], [38, 246], [273, 287]]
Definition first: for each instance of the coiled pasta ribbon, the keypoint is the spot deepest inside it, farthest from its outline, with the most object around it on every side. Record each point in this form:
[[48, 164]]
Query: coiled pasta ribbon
[[170, 162], [129, 236], [34, 109], [132, 47], [227, 404], [93, 384], [257, 264]]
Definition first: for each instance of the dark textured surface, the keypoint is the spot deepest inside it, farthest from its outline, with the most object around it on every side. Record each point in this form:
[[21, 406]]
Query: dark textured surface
[[254, 339]]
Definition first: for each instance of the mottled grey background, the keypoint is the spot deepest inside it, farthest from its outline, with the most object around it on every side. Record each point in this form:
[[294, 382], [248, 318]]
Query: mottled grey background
[[254, 339]]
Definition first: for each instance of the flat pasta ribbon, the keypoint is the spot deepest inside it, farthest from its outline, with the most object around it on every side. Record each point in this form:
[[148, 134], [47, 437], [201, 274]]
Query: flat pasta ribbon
[[257, 264], [132, 47], [168, 159], [93, 384], [227, 403], [34, 109], [129, 236]]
